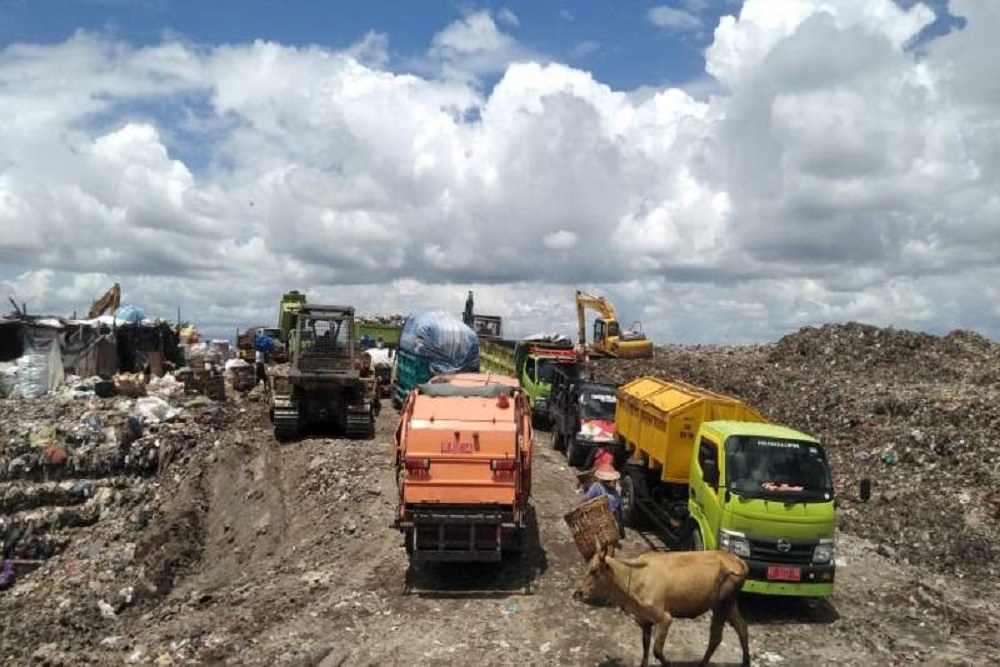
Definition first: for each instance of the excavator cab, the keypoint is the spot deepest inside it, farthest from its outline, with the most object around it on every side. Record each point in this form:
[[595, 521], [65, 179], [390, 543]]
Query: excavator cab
[[604, 330], [609, 340]]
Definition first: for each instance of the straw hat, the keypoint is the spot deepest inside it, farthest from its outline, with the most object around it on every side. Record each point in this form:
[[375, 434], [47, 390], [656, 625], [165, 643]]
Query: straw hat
[[606, 475]]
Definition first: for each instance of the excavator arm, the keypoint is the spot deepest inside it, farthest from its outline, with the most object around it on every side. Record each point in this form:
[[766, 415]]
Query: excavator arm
[[109, 301], [585, 300]]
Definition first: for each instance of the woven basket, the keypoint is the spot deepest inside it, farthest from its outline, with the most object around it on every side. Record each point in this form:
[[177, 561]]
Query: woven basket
[[590, 522]]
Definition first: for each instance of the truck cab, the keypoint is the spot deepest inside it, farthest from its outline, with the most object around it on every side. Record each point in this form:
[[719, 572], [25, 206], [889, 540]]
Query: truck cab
[[582, 416], [765, 493], [533, 362]]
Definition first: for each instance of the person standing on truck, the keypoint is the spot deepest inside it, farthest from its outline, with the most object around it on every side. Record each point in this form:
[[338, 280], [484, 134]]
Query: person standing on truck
[[606, 483]]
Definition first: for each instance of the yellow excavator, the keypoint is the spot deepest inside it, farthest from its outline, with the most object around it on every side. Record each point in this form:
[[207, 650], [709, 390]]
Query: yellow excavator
[[609, 339], [109, 302]]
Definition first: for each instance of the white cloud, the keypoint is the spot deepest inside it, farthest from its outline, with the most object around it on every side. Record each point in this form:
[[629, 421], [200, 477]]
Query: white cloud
[[665, 16], [507, 16], [474, 45], [832, 174]]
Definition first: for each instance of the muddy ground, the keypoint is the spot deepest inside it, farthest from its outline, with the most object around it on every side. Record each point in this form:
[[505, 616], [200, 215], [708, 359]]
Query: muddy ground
[[264, 554]]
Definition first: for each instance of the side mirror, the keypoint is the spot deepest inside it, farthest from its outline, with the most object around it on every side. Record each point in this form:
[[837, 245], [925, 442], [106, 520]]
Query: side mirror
[[866, 490]]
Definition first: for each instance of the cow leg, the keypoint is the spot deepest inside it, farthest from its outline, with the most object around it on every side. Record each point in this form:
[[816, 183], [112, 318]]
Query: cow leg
[[647, 630], [740, 625], [715, 634], [661, 636]]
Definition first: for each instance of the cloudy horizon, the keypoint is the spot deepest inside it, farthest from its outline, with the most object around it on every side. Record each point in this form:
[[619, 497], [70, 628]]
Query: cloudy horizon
[[828, 162]]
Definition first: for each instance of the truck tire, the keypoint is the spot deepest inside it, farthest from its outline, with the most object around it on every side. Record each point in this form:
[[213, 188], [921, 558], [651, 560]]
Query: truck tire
[[558, 442], [574, 453], [697, 542], [633, 486]]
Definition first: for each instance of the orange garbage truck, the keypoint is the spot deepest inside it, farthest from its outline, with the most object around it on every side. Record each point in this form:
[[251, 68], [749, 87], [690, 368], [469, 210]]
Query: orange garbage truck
[[463, 468]]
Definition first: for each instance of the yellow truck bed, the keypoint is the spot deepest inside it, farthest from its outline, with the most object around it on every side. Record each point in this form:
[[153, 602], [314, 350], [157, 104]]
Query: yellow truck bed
[[658, 419]]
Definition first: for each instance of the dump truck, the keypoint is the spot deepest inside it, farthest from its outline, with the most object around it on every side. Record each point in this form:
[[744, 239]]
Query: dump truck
[[710, 472], [324, 382], [370, 330], [432, 343], [291, 303], [463, 468], [531, 361], [582, 415], [610, 340]]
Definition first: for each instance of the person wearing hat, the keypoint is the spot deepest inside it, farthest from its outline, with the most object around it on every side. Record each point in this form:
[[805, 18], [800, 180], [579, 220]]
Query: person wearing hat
[[599, 458], [606, 483]]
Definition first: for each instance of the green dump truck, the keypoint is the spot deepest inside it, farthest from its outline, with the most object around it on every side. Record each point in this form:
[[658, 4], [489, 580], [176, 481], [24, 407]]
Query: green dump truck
[[710, 472], [532, 361], [371, 330], [289, 307]]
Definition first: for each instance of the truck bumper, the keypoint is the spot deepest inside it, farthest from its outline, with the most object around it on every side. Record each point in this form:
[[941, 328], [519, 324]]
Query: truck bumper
[[456, 534], [816, 581]]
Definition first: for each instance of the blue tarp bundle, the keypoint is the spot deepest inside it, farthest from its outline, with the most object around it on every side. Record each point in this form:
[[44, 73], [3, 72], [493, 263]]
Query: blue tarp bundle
[[265, 343], [448, 344], [129, 313]]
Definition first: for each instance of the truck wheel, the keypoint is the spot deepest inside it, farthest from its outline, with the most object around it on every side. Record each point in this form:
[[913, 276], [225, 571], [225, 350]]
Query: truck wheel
[[633, 485], [574, 453], [628, 501], [697, 543]]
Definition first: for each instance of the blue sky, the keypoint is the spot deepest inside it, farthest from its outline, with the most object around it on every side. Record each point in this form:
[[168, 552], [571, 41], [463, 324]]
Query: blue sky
[[614, 40]]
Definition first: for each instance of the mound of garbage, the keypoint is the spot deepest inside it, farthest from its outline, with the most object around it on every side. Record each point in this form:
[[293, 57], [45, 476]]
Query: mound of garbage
[[918, 414]]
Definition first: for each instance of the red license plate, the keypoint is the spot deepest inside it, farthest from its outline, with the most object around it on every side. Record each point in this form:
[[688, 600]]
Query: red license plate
[[456, 447], [784, 573]]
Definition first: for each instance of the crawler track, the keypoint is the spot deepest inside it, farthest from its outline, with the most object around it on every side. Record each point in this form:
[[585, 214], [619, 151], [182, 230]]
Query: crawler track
[[286, 422], [359, 425]]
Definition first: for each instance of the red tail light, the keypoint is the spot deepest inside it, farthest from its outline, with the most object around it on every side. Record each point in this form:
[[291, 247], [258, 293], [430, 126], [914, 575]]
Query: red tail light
[[417, 464], [502, 464]]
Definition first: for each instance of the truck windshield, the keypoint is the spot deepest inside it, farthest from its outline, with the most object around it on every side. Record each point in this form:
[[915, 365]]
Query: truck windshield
[[545, 370], [598, 406], [777, 468]]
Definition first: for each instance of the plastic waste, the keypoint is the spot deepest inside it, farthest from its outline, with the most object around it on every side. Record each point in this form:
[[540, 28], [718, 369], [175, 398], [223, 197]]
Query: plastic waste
[[448, 344], [153, 410]]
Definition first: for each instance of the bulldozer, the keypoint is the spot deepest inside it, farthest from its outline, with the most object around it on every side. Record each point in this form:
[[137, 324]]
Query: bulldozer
[[609, 339], [109, 301], [324, 382]]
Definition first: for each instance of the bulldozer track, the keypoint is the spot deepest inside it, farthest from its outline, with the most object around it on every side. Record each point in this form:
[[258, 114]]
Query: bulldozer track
[[286, 422], [359, 425]]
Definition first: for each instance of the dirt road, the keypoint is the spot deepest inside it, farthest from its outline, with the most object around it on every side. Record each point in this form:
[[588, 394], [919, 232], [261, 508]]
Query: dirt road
[[272, 554]]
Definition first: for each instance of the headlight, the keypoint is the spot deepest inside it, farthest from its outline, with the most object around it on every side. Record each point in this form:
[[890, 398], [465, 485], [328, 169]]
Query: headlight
[[735, 543], [824, 552]]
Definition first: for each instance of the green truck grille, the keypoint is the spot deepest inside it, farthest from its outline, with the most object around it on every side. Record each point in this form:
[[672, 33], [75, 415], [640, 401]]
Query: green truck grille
[[792, 552]]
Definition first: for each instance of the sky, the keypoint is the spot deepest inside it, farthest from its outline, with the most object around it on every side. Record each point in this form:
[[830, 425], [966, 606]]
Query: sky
[[722, 171]]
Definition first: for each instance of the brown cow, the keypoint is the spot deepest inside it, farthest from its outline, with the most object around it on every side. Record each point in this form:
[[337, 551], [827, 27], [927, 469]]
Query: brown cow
[[655, 588]]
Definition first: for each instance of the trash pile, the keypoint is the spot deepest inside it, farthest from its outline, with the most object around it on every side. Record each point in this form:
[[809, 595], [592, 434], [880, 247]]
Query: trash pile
[[917, 414], [80, 477]]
